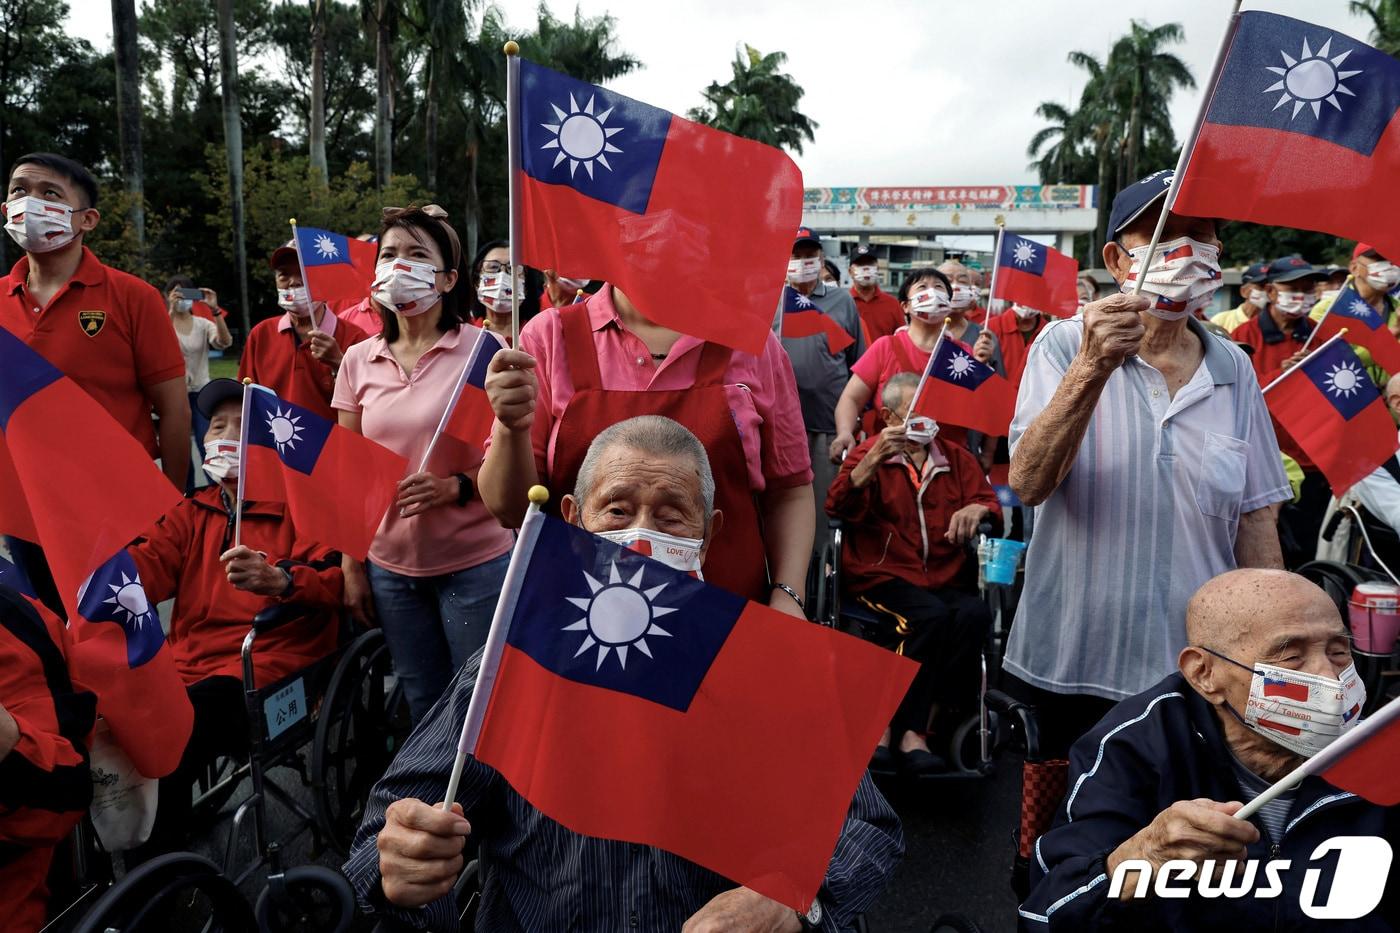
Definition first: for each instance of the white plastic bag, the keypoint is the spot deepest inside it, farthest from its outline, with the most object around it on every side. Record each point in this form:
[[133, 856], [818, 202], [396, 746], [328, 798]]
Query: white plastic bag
[[123, 799]]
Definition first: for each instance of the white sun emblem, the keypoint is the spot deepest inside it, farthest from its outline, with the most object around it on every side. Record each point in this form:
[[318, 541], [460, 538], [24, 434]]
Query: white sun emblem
[[1360, 308], [581, 136], [959, 366], [802, 301], [325, 247], [1024, 253], [1344, 380], [129, 600], [618, 616], [286, 429], [1310, 79]]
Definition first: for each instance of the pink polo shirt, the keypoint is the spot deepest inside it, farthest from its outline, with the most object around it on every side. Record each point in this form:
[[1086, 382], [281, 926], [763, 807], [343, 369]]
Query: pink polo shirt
[[362, 312], [761, 389], [401, 412]]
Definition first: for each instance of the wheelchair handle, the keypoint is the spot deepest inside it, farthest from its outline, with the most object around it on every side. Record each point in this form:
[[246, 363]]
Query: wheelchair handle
[[1009, 706], [1331, 528], [277, 615]]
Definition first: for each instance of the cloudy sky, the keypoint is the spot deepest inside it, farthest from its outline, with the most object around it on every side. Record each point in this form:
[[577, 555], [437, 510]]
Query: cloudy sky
[[906, 92]]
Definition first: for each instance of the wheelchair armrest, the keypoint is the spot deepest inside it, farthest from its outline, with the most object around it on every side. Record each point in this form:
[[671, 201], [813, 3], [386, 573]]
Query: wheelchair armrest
[[1009, 706], [277, 615]]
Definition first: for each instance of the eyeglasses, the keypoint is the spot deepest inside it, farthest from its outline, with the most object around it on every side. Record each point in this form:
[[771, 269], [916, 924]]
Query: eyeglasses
[[492, 267]]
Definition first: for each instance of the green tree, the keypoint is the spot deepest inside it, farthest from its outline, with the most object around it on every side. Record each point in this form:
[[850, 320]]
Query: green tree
[[1385, 23], [759, 102], [1064, 158], [1149, 76]]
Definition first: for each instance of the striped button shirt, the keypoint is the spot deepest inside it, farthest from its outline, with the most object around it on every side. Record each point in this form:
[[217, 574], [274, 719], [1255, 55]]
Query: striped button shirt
[[1147, 513], [538, 876]]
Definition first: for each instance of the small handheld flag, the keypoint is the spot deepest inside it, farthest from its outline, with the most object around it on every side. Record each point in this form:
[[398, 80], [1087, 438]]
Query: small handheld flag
[[802, 318], [957, 388], [1036, 276], [1365, 327], [334, 266]]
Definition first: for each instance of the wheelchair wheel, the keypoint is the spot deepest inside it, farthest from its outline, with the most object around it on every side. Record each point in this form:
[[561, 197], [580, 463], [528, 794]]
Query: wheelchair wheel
[[179, 891], [954, 923], [1338, 580], [823, 576], [317, 900], [965, 747], [362, 724]]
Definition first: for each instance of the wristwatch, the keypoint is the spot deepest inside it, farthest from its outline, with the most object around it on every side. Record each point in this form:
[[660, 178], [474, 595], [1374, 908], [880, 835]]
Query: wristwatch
[[465, 488], [812, 919]]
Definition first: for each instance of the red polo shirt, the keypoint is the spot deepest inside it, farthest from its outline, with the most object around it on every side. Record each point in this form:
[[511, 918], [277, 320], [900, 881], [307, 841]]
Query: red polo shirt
[[881, 315], [1015, 346], [107, 331], [277, 358], [1271, 347]]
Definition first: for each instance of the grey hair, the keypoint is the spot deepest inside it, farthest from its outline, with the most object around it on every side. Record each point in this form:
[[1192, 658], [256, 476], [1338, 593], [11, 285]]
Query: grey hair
[[657, 436], [893, 392]]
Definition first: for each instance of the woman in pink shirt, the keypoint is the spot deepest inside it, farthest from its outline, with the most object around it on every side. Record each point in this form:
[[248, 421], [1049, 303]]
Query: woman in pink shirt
[[439, 558]]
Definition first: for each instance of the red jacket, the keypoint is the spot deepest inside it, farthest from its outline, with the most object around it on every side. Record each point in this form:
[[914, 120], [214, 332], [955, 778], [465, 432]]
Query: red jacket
[[894, 530], [280, 360], [1271, 348], [45, 785], [179, 557], [1015, 346]]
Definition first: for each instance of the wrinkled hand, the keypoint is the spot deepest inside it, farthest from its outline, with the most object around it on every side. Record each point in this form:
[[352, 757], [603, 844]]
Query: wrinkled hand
[[985, 346], [1294, 360], [1189, 829], [743, 911], [248, 570], [888, 442], [962, 525], [420, 851], [324, 347], [358, 598], [423, 491], [840, 444], [1112, 330], [511, 388]]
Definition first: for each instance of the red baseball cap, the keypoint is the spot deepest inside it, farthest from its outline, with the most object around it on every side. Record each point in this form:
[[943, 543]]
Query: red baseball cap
[[1362, 249]]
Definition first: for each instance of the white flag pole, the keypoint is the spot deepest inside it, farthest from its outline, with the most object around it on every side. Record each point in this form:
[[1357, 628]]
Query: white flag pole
[[996, 267], [1327, 343], [1188, 146], [923, 377], [245, 419], [512, 52], [1328, 310], [496, 638]]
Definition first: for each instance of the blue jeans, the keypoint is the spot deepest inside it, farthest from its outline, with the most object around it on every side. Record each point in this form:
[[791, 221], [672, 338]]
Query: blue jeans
[[434, 624]]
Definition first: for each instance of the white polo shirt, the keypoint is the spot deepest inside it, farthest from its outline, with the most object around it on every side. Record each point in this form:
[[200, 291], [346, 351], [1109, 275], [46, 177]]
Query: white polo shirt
[[1148, 512]]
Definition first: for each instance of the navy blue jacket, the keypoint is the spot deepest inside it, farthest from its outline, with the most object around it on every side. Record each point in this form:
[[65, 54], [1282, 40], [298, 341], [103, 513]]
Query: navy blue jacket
[[1152, 750]]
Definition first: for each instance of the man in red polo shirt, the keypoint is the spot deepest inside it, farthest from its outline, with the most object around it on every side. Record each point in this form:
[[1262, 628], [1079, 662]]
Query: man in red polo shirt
[[107, 331], [880, 312], [1015, 331], [298, 354]]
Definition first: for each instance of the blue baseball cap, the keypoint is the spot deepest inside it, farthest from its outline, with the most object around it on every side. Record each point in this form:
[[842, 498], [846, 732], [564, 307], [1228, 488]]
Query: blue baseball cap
[[806, 235], [1255, 274], [1291, 268], [1130, 203], [215, 393], [864, 253]]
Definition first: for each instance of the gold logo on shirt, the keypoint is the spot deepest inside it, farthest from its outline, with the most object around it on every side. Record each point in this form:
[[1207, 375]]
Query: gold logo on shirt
[[92, 322]]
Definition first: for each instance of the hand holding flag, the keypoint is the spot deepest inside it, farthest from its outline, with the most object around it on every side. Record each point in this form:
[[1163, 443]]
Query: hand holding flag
[[957, 388], [333, 266]]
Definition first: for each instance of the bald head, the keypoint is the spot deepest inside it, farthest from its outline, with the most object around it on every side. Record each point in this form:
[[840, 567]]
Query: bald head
[[1392, 395], [958, 273], [1237, 609]]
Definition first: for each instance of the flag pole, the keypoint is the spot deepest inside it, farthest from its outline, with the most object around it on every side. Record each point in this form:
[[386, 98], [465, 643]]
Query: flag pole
[[996, 267], [495, 639], [1327, 343], [244, 420], [578, 297], [923, 377], [1188, 146], [301, 265], [452, 399], [1324, 759], [512, 53], [1318, 326]]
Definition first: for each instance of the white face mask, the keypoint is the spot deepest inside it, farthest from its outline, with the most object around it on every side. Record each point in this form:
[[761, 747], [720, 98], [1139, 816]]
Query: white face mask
[[1183, 276], [1329, 295], [39, 226], [295, 300], [1302, 712], [801, 271], [964, 297], [1382, 275], [221, 460], [1023, 312], [930, 304], [408, 287], [865, 274], [493, 289], [1259, 298], [681, 554], [920, 429], [183, 305], [573, 285], [1294, 304]]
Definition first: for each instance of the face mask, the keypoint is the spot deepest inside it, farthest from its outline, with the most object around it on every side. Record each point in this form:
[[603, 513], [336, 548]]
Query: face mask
[[573, 285], [221, 460], [681, 554], [494, 289], [295, 300], [183, 305], [1302, 712], [865, 274], [1023, 312], [1259, 299], [39, 226], [930, 305], [920, 430], [409, 287], [1329, 295], [964, 296], [1382, 275], [1294, 304], [1184, 274], [801, 271]]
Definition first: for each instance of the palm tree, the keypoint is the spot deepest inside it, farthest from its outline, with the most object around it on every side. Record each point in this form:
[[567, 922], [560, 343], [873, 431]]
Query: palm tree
[[128, 62], [381, 19], [1061, 160], [1385, 23], [316, 131], [233, 143], [440, 26], [759, 102], [584, 48], [1151, 75]]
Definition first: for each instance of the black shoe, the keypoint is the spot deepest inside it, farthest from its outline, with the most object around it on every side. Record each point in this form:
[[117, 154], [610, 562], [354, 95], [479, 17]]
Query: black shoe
[[883, 760], [920, 761]]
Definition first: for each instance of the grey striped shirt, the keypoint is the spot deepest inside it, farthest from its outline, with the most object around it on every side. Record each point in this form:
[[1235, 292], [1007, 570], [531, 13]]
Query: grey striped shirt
[[1148, 512], [538, 876]]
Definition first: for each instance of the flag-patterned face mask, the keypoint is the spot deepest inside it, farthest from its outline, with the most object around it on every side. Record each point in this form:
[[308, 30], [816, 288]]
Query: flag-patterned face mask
[[406, 286], [1182, 278], [865, 274], [1382, 275], [39, 226], [297, 300], [494, 290], [930, 304], [801, 271], [678, 553], [1294, 304], [964, 296]]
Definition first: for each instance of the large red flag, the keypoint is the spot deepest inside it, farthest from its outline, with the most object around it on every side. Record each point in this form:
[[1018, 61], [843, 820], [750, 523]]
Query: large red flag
[[71, 479], [1037, 276], [959, 389], [1331, 408], [693, 224], [337, 484], [628, 700], [1300, 131]]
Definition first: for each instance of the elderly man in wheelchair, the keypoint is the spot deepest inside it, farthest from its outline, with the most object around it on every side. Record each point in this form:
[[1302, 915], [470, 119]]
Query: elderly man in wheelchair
[[218, 589], [910, 505], [1265, 682]]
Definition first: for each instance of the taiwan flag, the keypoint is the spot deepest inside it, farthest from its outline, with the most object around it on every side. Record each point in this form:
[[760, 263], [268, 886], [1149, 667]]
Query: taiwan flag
[[1365, 326], [693, 224], [1000, 478], [1331, 408], [1037, 276], [958, 389], [802, 318], [1362, 760], [468, 416], [119, 652], [1300, 130], [337, 267], [1274, 687], [630, 701], [337, 484], [72, 480]]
